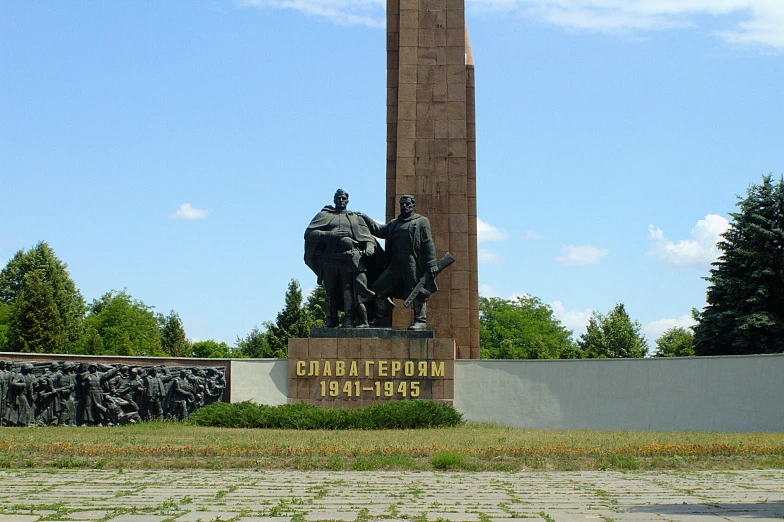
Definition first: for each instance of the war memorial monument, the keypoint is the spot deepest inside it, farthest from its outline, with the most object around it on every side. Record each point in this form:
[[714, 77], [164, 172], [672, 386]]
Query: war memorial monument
[[403, 318], [391, 331]]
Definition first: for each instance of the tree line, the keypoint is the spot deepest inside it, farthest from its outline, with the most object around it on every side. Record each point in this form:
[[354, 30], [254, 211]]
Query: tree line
[[42, 311], [744, 313]]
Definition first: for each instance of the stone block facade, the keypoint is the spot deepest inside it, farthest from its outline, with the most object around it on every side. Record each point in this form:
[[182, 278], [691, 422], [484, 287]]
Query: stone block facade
[[353, 372], [431, 152]]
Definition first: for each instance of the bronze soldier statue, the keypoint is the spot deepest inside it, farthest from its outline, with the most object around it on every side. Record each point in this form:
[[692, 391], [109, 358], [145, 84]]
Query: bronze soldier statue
[[338, 245], [411, 254]]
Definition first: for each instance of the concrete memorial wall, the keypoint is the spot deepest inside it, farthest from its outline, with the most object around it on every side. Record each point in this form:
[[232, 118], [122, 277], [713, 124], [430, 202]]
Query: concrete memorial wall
[[741, 394], [732, 393]]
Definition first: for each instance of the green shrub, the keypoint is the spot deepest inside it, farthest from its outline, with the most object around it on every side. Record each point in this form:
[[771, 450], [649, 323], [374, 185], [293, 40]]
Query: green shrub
[[382, 416], [447, 460]]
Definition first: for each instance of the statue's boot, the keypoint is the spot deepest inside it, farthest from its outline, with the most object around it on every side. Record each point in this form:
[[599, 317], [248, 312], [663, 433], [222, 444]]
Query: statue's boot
[[332, 322], [362, 316], [420, 315], [383, 307]]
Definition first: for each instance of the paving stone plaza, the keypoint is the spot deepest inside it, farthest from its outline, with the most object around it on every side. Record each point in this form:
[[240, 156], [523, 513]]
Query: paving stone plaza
[[137, 496]]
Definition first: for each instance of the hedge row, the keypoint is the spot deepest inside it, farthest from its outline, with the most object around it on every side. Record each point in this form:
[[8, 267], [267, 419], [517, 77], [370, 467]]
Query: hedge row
[[382, 416]]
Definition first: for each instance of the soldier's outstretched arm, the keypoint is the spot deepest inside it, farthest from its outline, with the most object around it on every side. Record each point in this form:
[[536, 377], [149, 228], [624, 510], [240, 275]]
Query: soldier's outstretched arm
[[377, 229]]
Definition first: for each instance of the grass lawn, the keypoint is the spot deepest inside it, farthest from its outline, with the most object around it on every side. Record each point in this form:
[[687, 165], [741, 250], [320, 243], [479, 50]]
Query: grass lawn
[[474, 447]]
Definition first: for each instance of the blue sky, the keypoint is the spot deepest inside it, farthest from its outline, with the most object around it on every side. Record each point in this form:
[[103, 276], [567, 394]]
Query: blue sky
[[179, 149]]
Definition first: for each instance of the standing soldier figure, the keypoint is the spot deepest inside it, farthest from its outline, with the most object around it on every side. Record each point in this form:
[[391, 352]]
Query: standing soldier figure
[[22, 389], [154, 393], [5, 378], [182, 394], [94, 409], [338, 247], [133, 389], [48, 399], [66, 389], [199, 378], [411, 254]]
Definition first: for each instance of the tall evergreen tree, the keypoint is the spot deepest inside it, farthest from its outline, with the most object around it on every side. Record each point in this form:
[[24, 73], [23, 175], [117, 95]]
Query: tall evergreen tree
[[36, 325], [37, 278], [745, 298], [613, 335], [292, 321], [173, 339], [5, 321], [316, 305]]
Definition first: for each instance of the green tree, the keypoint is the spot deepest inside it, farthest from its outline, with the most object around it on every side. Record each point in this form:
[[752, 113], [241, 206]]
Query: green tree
[[613, 335], [253, 345], [316, 306], [292, 321], [37, 278], [5, 321], [117, 324], [91, 342], [745, 297], [522, 328], [675, 342], [173, 339], [212, 350], [36, 325]]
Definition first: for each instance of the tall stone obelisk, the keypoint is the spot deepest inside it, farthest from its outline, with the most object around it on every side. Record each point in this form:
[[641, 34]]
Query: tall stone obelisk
[[431, 152]]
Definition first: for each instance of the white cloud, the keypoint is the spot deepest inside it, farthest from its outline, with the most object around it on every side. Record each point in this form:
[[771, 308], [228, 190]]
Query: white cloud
[[342, 12], [573, 320], [532, 234], [485, 257], [187, 212], [699, 250], [487, 232], [746, 22], [487, 291], [581, 255], [654, 329]]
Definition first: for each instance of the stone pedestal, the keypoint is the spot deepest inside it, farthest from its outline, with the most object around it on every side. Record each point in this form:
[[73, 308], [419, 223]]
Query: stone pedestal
[[350, 371]]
